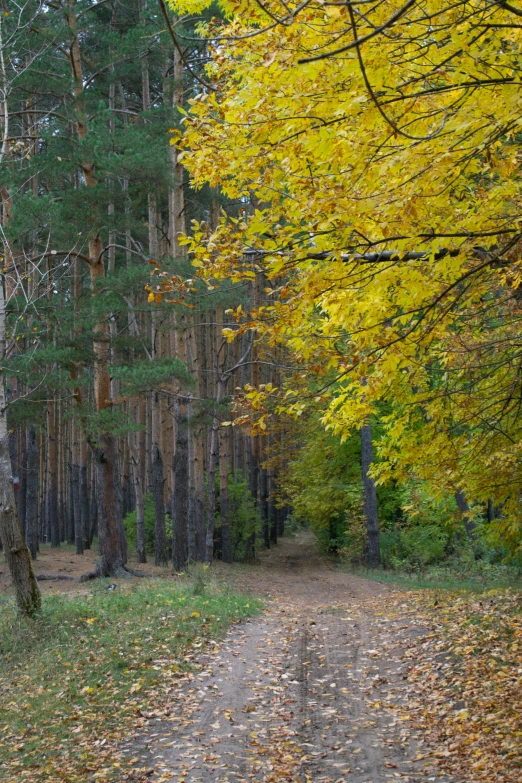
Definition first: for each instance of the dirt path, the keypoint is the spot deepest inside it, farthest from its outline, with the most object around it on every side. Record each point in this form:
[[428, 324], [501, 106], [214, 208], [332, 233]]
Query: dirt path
[[308, 693]]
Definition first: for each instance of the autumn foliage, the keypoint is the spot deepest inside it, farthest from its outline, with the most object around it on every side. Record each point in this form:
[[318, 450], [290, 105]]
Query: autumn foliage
[[376, 150]]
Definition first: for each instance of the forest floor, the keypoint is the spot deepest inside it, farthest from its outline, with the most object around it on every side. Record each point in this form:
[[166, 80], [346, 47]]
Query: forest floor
[[341, 680], [65, 563]]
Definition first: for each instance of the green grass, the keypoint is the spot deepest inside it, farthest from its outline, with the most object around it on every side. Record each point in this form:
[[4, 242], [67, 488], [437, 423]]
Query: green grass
[[82, 672], [447, 578]]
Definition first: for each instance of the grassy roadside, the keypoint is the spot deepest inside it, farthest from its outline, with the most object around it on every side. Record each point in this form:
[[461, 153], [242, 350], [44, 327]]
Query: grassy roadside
[[445, 579], [77, 680]]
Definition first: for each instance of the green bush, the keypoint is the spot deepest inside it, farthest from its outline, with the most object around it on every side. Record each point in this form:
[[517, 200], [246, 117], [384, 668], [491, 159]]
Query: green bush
[[245, 517], [129, 523]]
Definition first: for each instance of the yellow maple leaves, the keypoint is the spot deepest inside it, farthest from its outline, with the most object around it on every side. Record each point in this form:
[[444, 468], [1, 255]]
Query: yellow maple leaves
[[394, 130]]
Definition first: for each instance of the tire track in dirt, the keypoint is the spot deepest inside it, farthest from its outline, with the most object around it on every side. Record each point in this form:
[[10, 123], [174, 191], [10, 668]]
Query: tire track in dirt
[[308, 693]]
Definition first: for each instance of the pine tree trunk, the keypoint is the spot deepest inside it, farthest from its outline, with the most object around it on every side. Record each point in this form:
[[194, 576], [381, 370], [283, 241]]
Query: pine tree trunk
[[52, 489], [138, 467], [78, 527], [224, 504], [31, 503], [84, 506], [370, 498], [272, 511], [141, 555], [22, 450], [112, 553], [253, 475], [211, 474], [263, 505], [160, 543], [15, 549], [181, 490]]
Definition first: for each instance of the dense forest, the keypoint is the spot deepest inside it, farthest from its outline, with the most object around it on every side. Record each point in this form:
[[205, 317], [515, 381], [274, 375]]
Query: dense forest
[[215, 317], [260, 391], [115, 402]]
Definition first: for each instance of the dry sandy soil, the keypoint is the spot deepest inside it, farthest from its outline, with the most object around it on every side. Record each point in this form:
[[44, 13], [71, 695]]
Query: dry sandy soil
[[312, 691], [64, 562]]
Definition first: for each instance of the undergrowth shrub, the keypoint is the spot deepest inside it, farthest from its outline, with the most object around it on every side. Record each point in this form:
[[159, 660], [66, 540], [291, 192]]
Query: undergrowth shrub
[[129, 523], [245, 518]]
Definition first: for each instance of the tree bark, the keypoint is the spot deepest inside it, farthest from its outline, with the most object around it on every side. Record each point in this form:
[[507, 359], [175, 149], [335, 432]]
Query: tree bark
[[211, 473], [16, 552], [181, 490], [112, 553], [31, 502], [84, 506], [370, 498], [263, 505], [52, 489], [224, 504], [141, 555], [160, 543], [78, 527]]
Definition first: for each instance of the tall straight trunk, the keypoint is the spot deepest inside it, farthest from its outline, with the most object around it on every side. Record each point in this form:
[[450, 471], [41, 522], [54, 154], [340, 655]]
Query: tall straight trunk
[[196, 449], [112, 557], [41, 489], [75, 489], [181, 490], [160, 542], [263, 505], [93, 504], [224, 504], [22, 450], [84, 506], [137, 474], [69, 507], [196, 492], [61, 431], [52, 468], [280, 521], [272, 511], [15, 549], [31, 498], [112, 553], [119, 502], [370, 498], [75, 493], [253, 477], [211, 474]]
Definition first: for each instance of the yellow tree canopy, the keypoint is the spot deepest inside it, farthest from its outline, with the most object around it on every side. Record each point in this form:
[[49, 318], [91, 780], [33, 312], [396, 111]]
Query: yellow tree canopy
[[378, 143]]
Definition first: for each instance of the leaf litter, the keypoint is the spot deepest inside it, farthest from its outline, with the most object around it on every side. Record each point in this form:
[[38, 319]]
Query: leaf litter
[[343, 680]]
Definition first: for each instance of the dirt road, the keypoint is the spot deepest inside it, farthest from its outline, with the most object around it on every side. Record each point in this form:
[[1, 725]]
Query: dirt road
[[310, 692]]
